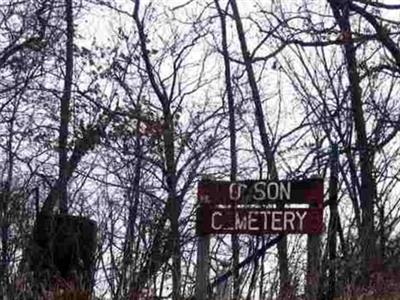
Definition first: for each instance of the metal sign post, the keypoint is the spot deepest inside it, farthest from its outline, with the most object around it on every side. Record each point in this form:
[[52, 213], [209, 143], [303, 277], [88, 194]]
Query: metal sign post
[[202, 272], [203, 263]]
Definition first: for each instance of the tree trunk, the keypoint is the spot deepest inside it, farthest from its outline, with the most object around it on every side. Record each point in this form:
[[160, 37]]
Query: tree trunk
[[65, 109], [284, 276], [173, 206], [233, 150], [5, 197], [366, 155], [127, 281], [313, 270], [63, 247], [333, 220]]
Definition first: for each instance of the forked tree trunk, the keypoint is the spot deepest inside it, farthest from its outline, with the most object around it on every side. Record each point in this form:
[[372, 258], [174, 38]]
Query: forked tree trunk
[[61, 253]]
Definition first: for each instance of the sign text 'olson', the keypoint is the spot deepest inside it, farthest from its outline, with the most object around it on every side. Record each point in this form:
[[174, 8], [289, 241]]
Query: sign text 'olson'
[[259, 221], [308, 191]]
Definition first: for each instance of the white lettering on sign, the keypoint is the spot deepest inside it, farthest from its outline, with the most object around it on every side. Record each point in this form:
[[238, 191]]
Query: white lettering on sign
[[213, 221], [259, 220], [265, 214], [259, 191], [289, 218], [240, 224], [276, 219], [253, 219], [273, 191], [262, 190], [286, 189], [301, 217], [236, 190]]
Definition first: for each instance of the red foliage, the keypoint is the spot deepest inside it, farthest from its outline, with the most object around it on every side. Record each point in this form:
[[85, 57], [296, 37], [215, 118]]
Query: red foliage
[[288, 293], [152, 129], [145, 294], [383, 285]]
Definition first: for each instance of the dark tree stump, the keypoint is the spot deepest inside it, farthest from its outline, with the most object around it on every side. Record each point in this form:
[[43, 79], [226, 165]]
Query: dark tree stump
[[63, 248]]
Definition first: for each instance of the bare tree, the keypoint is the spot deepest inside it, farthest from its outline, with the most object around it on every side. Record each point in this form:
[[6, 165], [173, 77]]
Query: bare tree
[[265, 141]]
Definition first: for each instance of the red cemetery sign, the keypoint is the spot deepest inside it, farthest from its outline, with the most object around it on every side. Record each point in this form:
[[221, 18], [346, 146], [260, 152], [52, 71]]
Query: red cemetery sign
[[236, 207]]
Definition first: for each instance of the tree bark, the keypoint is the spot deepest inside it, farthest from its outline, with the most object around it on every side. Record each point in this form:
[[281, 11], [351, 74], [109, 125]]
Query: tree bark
[[91, 137], [366, 155], [133, 201], [313, 263], [284, 276], [333, 220], [5, 198], [65, 109], [173, 206], [232, 136]]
